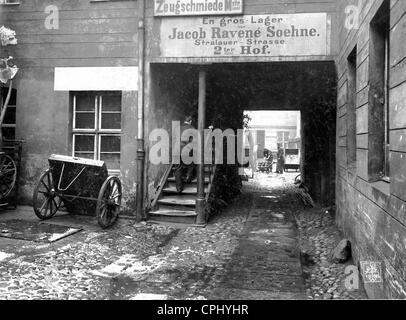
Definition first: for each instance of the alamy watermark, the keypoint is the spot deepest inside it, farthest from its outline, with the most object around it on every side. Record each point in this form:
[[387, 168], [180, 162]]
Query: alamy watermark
[[52, 18], [371, 272], [353, 14], [220, 146]]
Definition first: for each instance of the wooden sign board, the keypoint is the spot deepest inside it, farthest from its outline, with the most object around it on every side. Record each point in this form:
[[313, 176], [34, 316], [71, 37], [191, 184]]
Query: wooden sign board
[[167, 8], [246, 36]]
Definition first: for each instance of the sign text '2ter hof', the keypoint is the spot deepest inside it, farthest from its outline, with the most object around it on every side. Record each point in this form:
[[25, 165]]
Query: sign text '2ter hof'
[[197, 7], [247, 35]]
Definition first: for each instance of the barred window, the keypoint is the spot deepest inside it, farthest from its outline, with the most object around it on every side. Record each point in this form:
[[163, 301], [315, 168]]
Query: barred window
[[9, 125], [97, 127], [9, 1], [351, 109]]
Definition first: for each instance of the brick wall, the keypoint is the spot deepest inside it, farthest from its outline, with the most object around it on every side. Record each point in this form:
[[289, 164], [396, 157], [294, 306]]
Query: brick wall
[[369, 210]]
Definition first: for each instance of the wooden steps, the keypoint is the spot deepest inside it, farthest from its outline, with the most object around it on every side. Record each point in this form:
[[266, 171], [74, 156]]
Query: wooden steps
[[177, 208], [173, 216], [178, 200], [206, 180], [190, 190]]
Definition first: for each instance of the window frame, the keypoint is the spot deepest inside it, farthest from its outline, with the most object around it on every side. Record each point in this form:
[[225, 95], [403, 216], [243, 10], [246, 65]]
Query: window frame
[[6, 3], [10, 106], [379, 90], [386, 172], [352, 78], [95, 132]]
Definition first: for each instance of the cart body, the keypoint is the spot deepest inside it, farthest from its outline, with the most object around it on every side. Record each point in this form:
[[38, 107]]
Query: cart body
[[265, 166], [82, 186], [77, 182], [292, 159]]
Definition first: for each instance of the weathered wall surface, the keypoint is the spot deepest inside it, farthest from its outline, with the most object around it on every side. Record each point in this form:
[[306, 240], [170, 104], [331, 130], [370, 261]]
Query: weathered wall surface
[[372, 214], [90, 34], [172, 94]]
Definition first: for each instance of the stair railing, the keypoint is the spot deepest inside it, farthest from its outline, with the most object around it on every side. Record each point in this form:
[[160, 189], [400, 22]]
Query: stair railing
[[161, 185], [213, 169]]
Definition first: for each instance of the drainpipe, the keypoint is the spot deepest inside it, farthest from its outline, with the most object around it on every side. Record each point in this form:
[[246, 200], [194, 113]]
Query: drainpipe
[[140, 136]]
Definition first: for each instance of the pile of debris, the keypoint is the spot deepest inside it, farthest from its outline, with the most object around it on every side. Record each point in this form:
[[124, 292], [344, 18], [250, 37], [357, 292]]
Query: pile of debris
[[325, 255]]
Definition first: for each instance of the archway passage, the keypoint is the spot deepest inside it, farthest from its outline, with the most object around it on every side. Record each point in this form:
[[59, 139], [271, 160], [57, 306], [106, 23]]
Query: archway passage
[[231, 89], [308, 87]]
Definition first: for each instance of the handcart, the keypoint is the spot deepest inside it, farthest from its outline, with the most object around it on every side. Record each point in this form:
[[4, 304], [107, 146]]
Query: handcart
[[265, 167], [10, 159], [81, 186]]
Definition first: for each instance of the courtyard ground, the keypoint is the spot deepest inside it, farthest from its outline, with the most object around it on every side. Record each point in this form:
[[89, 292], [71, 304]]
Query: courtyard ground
[[252, 250]]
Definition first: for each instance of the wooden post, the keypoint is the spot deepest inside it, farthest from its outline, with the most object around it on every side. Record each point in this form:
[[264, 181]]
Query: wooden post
[[200, 201]]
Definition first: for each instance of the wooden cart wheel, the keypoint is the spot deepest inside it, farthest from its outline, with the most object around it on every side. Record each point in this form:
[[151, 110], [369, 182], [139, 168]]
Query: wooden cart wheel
[[8, 175], [109, 202], [45, 201]]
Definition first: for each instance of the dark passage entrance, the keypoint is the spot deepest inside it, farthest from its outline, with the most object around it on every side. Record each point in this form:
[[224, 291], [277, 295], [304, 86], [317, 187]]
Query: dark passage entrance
[[231, 89]]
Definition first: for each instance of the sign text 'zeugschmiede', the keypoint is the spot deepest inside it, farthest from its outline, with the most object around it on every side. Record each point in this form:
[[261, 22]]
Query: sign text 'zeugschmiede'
[[197, 7]]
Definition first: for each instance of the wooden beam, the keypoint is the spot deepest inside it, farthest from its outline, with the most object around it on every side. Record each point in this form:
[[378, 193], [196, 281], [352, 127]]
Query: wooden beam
[[200, 201]]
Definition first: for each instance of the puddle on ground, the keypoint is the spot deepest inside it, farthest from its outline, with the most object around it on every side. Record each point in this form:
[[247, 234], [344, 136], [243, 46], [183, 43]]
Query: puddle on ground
[[35, 231]]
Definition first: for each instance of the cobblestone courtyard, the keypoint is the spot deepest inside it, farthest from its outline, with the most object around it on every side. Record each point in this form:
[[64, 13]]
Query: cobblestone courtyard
[[250, 251]]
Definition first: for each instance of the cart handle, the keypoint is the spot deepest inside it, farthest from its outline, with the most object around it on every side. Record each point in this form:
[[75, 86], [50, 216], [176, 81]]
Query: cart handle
[[72, 182]]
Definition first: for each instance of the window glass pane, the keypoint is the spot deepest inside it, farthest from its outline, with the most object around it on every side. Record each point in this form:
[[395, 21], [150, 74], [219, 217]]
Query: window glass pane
[[10, 117], [111, 103], [85, 155], [85, 103], [85, 121], [112, 160], [111, 121], [110, 143], [9, 133], [84, 143], [13, 97]]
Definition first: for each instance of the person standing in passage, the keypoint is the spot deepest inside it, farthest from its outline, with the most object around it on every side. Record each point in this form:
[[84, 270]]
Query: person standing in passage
[[184, 173], [280, 167]]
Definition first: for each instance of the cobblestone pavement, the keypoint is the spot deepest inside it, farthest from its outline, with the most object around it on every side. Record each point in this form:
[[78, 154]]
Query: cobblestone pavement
[[324, 279], [266, 262], [250, 251], [129, 261]]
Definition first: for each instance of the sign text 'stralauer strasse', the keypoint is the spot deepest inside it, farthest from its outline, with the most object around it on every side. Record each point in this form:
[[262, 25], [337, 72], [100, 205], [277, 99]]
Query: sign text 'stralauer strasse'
[[247, 35], [197, 7]]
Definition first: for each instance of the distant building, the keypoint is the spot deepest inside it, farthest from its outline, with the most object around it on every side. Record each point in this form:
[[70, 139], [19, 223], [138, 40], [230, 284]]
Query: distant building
[[281, 128]]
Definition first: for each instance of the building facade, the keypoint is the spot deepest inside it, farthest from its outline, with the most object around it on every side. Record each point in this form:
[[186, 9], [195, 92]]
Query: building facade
[[370, 139], [97, 77], [76, 91]]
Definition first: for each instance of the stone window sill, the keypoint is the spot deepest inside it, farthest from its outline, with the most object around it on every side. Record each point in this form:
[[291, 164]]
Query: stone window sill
[[382, 186]]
